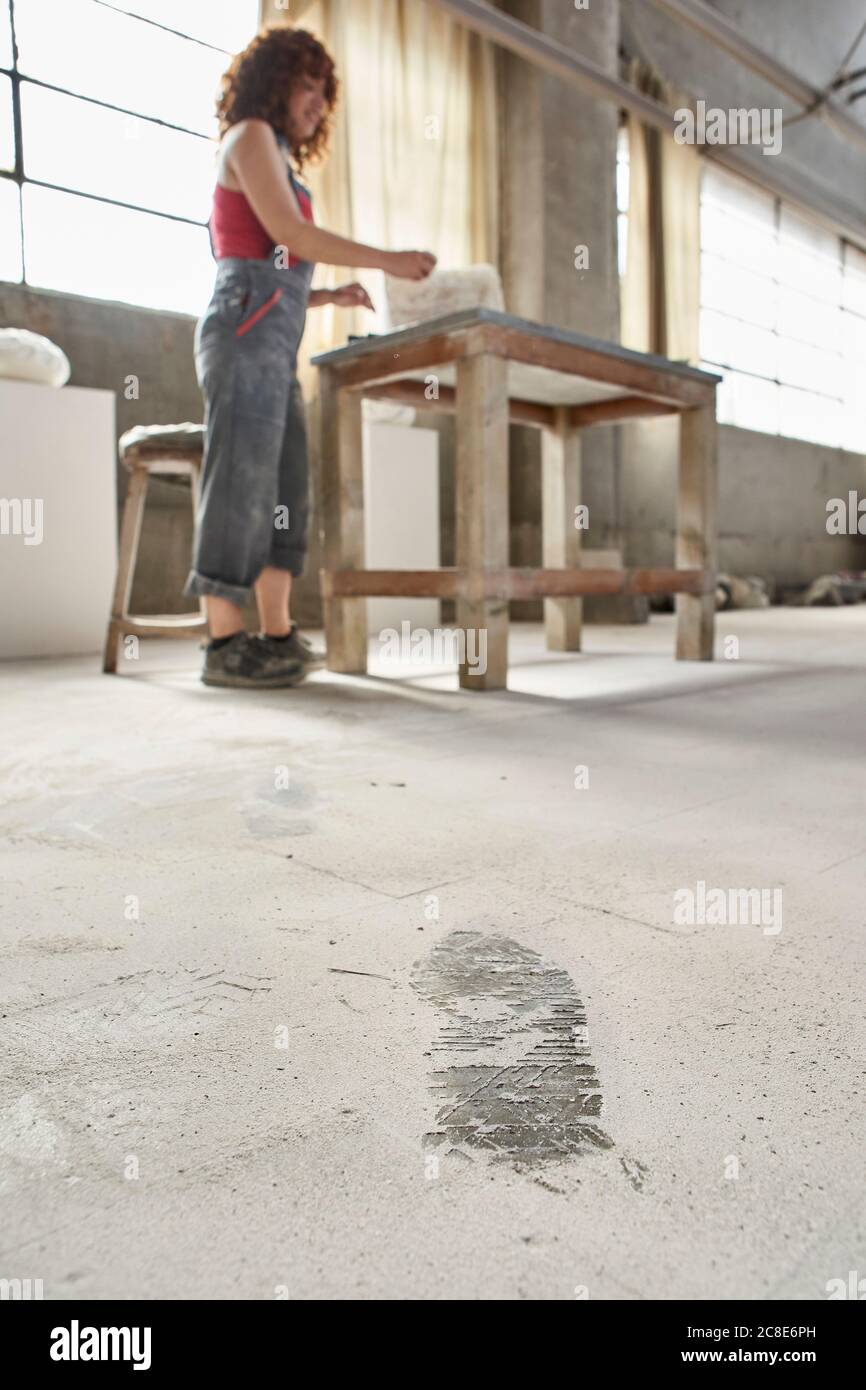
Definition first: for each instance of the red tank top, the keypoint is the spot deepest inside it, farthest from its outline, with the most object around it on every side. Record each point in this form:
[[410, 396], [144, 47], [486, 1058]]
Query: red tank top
[[236, 231]]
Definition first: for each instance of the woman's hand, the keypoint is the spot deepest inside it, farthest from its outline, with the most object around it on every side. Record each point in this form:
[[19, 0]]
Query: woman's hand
[[352, 296], [409, 265]]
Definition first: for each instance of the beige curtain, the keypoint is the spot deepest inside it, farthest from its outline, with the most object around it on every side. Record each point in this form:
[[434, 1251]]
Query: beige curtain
[[413, 159], [660, 304], [660, 292], [636, 287]]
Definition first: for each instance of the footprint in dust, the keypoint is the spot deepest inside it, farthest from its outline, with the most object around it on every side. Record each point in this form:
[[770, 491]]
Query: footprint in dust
[[517, 1078], [270, 812]]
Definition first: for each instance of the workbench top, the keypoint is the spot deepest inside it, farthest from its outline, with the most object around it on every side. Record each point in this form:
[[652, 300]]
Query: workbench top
[[547, 366]]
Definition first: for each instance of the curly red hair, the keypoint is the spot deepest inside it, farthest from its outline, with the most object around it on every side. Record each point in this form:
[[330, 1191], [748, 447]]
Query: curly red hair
[[259, 80]]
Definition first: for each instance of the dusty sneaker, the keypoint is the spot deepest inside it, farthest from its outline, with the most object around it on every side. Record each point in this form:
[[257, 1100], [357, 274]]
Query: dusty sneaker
[[297, 647], [251, 663]]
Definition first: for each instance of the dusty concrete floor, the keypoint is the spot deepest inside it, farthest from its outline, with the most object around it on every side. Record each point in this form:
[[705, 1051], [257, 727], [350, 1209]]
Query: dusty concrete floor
[[231, 1012]]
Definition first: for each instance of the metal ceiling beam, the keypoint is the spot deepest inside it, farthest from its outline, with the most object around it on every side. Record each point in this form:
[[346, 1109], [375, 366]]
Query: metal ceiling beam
[[554, 57], [727, 36]]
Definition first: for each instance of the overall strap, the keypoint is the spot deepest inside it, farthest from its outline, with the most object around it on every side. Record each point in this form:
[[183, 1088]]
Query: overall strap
[[283, 142]]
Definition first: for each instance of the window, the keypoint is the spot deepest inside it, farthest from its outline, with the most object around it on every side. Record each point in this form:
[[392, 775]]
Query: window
[[7, 129], [622, 198], [783, 317], [108, 194]]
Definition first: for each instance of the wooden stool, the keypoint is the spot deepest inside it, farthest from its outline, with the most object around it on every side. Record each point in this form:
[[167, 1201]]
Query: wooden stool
[[171, 452]]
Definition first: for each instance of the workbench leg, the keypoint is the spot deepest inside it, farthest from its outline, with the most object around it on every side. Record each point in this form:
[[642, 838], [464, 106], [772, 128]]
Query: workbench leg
[[561, 539], [342, 479], [697, 503], [482, 515]]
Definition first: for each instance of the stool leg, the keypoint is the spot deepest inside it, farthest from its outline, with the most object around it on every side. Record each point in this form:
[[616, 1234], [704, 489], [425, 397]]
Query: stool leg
[[130, 534]]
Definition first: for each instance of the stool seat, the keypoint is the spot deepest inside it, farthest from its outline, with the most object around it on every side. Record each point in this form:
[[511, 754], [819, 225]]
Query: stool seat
[[157, 445], [172, 453]]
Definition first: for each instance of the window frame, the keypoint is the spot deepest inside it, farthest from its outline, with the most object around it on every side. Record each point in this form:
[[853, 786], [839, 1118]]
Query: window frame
[[845, 253], [840, 402], [17, 176]]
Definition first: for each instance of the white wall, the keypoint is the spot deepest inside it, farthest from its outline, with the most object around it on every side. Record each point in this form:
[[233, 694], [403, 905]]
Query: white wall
[[773, 495]]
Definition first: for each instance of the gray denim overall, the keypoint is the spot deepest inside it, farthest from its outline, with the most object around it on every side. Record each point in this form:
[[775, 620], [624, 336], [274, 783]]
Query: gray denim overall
[[254, 503]]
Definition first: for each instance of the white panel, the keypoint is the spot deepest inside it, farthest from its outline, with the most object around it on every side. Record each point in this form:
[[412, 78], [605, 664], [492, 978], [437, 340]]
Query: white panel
[[114, 253], [749, 402], [10, 231], [811, 238], [803, 415], [854, 281], [79, 145], [5, 37], [59, 449], [738, 197], [94, 50], [808, 320], [7, 133], [227, 24], [809, 258], [745, 243], [401, 517], [733, 290], [739, 345], [854, 430], [853, 340], [802, 365]]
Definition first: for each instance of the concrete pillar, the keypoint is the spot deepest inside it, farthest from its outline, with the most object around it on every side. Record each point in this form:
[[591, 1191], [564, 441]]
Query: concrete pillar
[[558, 194]]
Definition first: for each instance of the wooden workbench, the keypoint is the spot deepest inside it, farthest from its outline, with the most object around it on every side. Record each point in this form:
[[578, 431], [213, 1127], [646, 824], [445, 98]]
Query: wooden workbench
[[491, 369]]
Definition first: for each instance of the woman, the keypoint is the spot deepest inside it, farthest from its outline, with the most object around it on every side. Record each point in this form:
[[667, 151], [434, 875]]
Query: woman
[[251, 531]]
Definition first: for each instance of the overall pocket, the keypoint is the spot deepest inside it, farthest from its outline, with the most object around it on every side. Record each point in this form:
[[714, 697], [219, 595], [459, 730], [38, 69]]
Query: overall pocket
[[230, 297], [258, 314]]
